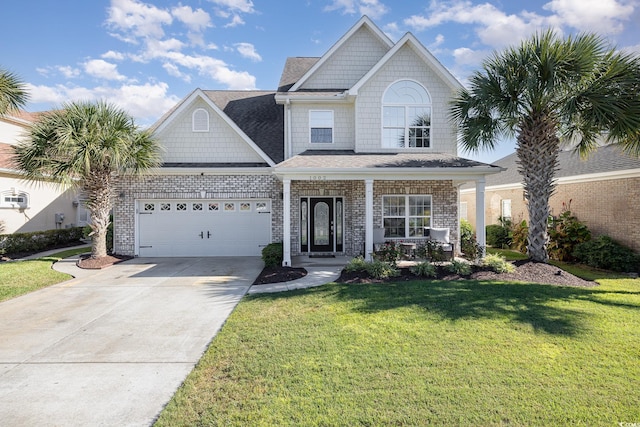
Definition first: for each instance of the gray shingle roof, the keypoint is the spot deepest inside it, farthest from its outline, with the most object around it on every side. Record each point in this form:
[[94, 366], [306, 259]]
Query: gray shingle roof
[[608, 158], [294, 69], [350, 160], [257, 114]]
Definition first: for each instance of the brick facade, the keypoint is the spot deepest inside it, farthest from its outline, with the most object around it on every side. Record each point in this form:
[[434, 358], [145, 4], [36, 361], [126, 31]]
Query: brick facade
[[607, 207], [444, 206], [176, 187]]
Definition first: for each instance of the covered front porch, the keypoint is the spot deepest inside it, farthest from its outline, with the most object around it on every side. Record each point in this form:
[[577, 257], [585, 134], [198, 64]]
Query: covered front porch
[[333, 211]]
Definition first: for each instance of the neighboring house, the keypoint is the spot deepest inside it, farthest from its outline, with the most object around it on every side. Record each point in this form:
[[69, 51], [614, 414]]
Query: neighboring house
[[602, 191], [354, 141], [26, 206]]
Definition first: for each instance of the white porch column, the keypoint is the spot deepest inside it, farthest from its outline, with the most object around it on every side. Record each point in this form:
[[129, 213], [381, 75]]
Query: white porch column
[[368, 219], [286, 222], [481, 232]]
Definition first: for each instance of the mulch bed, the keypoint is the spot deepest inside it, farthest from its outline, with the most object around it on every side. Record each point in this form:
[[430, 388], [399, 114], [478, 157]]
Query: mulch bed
[[89, 263], [526, 271], [279, 274]]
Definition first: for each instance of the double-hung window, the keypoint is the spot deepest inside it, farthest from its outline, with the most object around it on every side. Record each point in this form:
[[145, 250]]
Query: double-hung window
[[406, 216], [406, 116], [321, 126]]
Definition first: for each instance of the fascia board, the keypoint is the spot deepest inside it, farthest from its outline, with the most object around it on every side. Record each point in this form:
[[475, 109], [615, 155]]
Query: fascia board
[[198, 93], [362, 22], [341, 98], [427, 57], [387, 174]]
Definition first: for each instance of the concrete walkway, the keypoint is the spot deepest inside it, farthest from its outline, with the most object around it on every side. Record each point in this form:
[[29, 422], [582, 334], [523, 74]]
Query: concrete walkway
[[111, 347]]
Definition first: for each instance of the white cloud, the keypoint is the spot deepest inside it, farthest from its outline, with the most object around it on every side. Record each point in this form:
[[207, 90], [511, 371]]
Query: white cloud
[[247, 50], [244, 6], [116, 56], [465, 56], [372, 8], [132, 19], [174, 71], [494, 27], [214, 68], [68, 71], [235, 21], [146, 103], [102, 69], [601, 16], [196, 20]]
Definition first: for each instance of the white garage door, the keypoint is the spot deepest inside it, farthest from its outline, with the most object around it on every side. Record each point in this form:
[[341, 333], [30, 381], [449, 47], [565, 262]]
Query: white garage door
[[203, 227]]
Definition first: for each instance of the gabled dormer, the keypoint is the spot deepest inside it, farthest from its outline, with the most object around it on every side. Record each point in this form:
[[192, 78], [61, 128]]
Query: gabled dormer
[[367, 94]]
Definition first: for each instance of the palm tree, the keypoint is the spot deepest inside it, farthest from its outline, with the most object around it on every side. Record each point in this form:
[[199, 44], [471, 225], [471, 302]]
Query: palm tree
[[13, 94], [88, 146], [546, 91]]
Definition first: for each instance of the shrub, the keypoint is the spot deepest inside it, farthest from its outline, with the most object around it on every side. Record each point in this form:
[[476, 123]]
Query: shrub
[[431, 250], [389, 252], [382, 270], [520, 235], [424, 269], [499, 235], [39, 240], [356, 264], [468, 243], [459, 267], [272, 255], [565, 233], [498, 264], [604, 252]]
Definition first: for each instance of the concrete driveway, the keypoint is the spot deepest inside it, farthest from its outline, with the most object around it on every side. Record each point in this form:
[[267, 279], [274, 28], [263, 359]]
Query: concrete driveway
[[111, 348]]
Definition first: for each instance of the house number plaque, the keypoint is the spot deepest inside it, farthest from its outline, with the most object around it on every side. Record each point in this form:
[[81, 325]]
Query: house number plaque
[[318, 178]]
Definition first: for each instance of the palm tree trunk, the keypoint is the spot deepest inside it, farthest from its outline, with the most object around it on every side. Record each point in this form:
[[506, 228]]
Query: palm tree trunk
[[537, 149], [99, 193]]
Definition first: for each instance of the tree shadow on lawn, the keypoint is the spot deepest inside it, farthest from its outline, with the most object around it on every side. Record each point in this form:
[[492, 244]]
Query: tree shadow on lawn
[[546, 308], [530, 304]]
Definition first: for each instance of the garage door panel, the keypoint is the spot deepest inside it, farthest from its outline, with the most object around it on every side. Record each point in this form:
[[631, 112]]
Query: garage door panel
[[203, 228]]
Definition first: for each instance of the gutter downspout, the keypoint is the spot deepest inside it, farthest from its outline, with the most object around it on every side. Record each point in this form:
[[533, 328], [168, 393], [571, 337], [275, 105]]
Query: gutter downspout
[[288, 143]]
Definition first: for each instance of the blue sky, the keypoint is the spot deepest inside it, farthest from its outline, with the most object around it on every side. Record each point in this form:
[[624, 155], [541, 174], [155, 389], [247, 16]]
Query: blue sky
[[147, 55]]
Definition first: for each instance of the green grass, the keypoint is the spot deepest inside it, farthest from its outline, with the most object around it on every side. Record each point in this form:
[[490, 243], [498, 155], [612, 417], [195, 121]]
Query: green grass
[[508, 254], [21, 277], [421, 353]]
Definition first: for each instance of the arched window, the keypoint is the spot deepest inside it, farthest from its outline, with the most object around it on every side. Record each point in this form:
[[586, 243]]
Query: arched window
[[406, 116], [200, 120]]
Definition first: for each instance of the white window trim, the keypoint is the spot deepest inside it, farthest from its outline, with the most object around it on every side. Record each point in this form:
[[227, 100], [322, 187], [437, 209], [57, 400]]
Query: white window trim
[[382, 127], [193, 120], [407, 215], [332, 127], [14, 205], [504, 202]]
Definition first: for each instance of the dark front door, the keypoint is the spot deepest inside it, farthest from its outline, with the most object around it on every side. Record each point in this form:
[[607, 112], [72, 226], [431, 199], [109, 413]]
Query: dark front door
[[321, 223]]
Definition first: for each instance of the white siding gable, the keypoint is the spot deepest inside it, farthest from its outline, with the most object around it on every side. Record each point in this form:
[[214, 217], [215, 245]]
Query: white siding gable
[[405, 64], [343, 132], [349, 62], [220, 144]]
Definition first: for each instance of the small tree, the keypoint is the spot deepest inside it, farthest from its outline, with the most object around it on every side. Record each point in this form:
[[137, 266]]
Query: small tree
[[88, 145]]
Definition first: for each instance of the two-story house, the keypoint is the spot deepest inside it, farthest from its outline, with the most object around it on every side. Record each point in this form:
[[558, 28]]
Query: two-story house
[[355, 143]]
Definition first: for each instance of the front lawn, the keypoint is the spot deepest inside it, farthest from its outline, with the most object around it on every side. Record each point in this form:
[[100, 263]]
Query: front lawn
[[21, 277], [419, 353]]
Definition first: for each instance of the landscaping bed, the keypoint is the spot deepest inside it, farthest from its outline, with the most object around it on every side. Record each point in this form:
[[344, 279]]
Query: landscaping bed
[[526, 271]]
